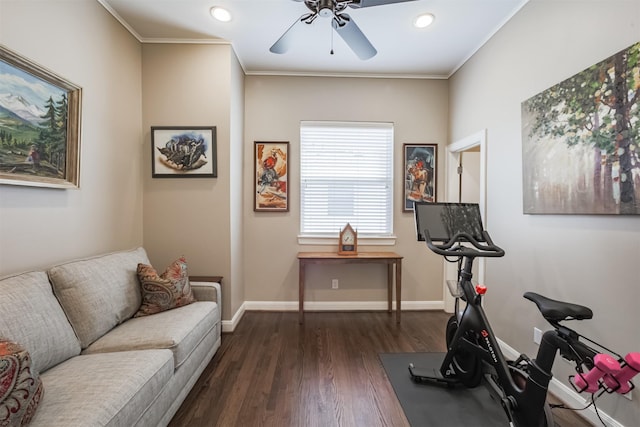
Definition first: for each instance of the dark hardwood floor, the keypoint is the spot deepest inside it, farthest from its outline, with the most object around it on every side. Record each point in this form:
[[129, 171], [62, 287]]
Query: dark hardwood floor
[[271, 371]]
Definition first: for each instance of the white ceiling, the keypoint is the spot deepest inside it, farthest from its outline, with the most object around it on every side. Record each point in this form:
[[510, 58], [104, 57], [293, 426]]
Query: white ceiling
[[460, 28]]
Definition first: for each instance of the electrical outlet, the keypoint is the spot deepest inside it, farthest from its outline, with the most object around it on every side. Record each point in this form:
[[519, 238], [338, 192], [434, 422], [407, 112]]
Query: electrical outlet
[[537, 335], [334, 284]]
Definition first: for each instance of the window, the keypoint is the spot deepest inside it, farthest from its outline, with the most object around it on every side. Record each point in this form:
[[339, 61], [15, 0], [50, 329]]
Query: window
[[346, 174]]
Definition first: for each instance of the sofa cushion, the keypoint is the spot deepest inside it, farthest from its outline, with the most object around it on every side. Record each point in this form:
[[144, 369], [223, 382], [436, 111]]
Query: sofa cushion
[[110, 389], [31, 315], [179, 330], [98, 293], [163, 292], [20, 386]]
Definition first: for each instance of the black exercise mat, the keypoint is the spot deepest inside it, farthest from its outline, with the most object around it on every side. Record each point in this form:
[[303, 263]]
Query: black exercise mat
[[432, 405]]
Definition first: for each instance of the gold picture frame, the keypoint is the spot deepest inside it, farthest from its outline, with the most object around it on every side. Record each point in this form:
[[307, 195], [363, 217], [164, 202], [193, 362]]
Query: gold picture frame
[[40, 115]]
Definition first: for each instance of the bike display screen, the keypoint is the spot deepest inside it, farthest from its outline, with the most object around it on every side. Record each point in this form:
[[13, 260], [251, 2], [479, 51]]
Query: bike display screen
[[443, 220]]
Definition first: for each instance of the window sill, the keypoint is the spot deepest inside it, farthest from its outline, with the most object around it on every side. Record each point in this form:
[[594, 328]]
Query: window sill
[[333, 241]]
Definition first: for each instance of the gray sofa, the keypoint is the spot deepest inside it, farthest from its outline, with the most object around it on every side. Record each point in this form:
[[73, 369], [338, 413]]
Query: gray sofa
[[100, 366]]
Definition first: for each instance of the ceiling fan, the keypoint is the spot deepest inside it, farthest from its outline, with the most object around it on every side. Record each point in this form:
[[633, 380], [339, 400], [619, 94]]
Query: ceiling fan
[[341, 23]]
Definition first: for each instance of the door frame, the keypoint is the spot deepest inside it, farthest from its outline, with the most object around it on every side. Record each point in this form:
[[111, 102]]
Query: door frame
[[478, 139]]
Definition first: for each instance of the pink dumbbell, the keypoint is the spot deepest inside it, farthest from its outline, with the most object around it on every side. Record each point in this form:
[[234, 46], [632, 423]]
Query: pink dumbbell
[[628, 371], [604, 364]]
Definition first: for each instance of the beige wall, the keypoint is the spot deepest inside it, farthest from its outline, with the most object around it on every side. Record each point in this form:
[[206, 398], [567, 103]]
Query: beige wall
[[191, 85], [585, 259], [236, 198], [274, 108], [81, 42], [128, 88]]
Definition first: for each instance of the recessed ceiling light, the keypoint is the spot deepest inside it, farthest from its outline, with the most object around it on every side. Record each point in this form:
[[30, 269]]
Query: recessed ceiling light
[[424, 20], [220, 14]]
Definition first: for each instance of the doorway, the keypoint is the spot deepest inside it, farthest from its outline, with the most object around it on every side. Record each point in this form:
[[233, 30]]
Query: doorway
[[466, 172]]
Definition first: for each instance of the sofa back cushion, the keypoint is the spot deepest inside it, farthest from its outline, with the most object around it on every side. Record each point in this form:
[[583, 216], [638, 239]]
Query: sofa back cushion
[[31, 315], [99, 293]]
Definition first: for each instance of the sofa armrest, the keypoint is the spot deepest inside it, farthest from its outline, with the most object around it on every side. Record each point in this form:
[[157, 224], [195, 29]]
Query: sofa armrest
[[206, 288]]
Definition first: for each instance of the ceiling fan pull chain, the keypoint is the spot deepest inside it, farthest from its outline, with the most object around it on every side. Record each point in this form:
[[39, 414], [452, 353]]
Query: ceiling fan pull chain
[[331, 29]]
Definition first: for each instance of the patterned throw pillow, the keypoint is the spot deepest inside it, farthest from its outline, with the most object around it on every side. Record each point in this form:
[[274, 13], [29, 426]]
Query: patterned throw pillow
[[169, 290], [20, 388]]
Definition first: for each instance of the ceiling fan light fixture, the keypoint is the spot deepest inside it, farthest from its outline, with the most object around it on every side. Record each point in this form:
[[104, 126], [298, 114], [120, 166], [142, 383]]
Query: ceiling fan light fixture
[[325, 8], [424, 20], [220, 13]]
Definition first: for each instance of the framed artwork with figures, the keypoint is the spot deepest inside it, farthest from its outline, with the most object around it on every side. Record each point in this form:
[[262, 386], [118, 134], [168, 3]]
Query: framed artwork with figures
[[420, 174], [271, 177], [183, 152]]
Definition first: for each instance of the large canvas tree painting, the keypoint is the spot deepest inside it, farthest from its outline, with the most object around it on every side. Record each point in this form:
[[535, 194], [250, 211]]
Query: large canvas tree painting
[[580, 141]]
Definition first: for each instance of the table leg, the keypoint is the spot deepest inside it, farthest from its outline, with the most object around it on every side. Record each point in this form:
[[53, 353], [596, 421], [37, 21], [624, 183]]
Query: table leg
[[390, 287], [398, 265], [301, 293]]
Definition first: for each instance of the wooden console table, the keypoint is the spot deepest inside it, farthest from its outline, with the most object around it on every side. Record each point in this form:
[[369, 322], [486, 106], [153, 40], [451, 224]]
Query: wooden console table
[[392, 260]]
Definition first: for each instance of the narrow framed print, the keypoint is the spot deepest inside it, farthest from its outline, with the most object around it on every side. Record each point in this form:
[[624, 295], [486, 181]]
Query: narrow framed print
[[39, 125], [271, 177], [183, 152], [420, 173]]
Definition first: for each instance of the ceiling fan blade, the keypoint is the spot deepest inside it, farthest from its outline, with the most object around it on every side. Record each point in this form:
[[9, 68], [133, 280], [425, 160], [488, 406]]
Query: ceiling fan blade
[[285, 41], [353, 36], [356, 4]]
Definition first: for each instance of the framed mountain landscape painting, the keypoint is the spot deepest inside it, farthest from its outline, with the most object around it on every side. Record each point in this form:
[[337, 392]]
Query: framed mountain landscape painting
[[39, 125]]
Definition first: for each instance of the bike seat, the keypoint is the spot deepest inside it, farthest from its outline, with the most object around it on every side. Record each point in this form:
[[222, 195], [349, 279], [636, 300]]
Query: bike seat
[[555, 311]]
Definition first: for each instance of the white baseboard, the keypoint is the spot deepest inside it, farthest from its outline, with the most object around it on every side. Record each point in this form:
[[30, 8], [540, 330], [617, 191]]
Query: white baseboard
[[340, 305], [566, 393], [230, 325]]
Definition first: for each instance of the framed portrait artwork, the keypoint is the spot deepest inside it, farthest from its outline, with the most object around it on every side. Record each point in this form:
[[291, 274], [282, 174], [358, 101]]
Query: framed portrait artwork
[[271, 177], [184, 152], [420, 172], [39, 125]]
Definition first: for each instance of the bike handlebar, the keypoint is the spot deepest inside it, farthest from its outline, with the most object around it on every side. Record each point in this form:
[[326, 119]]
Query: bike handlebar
[[455, 248]]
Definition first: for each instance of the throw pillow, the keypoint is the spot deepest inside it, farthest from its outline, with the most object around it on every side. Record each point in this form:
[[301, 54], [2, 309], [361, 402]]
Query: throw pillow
[[163, 292], [20, 388]]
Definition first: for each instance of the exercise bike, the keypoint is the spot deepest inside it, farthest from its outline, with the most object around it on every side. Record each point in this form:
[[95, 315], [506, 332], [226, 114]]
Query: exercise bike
[[473, 353]]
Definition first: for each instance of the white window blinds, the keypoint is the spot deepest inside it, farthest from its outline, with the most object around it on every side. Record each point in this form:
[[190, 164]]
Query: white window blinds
[[346, 174]]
